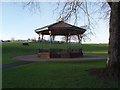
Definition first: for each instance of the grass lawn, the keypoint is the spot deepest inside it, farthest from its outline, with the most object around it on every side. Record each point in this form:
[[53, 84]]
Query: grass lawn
[[11, 49], [61, 74]]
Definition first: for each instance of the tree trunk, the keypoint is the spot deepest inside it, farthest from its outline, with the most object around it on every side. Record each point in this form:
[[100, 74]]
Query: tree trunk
[[114, 40]]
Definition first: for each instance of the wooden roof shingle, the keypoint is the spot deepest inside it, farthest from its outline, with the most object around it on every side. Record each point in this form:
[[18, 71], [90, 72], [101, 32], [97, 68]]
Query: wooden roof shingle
[[60, 28]]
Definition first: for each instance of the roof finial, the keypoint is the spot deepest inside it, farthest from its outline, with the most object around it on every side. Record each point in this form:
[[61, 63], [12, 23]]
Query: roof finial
[[60, 19]]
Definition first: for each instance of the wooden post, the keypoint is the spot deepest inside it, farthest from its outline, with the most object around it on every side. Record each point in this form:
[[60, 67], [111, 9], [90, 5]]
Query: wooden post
[[53, 37], [50, 39], [42, 42], [69, 46], [80, 39], [39, 42], [42, 36], [67, 39], [50, 43]]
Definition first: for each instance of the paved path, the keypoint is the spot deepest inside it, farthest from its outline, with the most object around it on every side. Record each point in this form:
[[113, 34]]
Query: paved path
[[36, 58], [15, 64], [27, 59]]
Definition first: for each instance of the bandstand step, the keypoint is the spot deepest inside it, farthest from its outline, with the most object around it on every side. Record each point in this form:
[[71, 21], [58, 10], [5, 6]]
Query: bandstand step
[[44, 55]]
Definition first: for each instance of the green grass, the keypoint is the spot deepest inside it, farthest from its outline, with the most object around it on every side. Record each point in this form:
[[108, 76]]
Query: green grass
[[11, 49], [70, 74], [61, 74], [99, 49]]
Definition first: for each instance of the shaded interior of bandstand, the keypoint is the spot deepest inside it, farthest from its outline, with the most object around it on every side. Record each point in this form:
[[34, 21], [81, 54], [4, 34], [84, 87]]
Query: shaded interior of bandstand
[[67, 51]]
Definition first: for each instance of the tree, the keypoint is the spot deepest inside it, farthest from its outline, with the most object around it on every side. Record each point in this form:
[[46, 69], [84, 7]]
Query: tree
[[114, 40], [71, 8]]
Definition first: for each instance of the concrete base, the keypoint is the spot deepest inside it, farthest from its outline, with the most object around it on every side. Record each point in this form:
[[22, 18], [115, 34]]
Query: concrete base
[[44, 55], [59, 53]]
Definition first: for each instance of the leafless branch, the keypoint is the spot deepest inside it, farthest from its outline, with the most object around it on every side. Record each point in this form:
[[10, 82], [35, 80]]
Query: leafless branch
[[74, 9], [32, 6]]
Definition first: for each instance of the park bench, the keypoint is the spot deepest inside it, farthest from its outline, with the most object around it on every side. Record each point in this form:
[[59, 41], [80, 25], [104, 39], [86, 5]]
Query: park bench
[[25, 44]]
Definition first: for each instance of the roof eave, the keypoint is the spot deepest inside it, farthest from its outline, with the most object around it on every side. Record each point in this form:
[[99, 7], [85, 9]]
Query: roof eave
[[38, 30]]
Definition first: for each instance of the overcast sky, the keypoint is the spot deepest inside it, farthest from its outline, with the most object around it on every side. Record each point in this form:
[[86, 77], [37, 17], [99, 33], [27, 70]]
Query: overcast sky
[[20, 23]]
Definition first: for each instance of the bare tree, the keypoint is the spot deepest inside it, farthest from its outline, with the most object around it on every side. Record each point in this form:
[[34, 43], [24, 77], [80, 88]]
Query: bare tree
[[74, 7]]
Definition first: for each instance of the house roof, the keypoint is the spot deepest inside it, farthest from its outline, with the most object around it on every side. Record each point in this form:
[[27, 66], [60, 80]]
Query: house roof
[[60, 28]]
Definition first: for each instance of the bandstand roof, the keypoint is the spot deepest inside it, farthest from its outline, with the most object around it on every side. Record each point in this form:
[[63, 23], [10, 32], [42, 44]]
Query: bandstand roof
[[60, 28]]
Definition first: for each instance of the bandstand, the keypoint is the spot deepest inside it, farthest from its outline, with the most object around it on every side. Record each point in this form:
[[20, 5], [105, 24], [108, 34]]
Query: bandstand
[[60, 29]]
